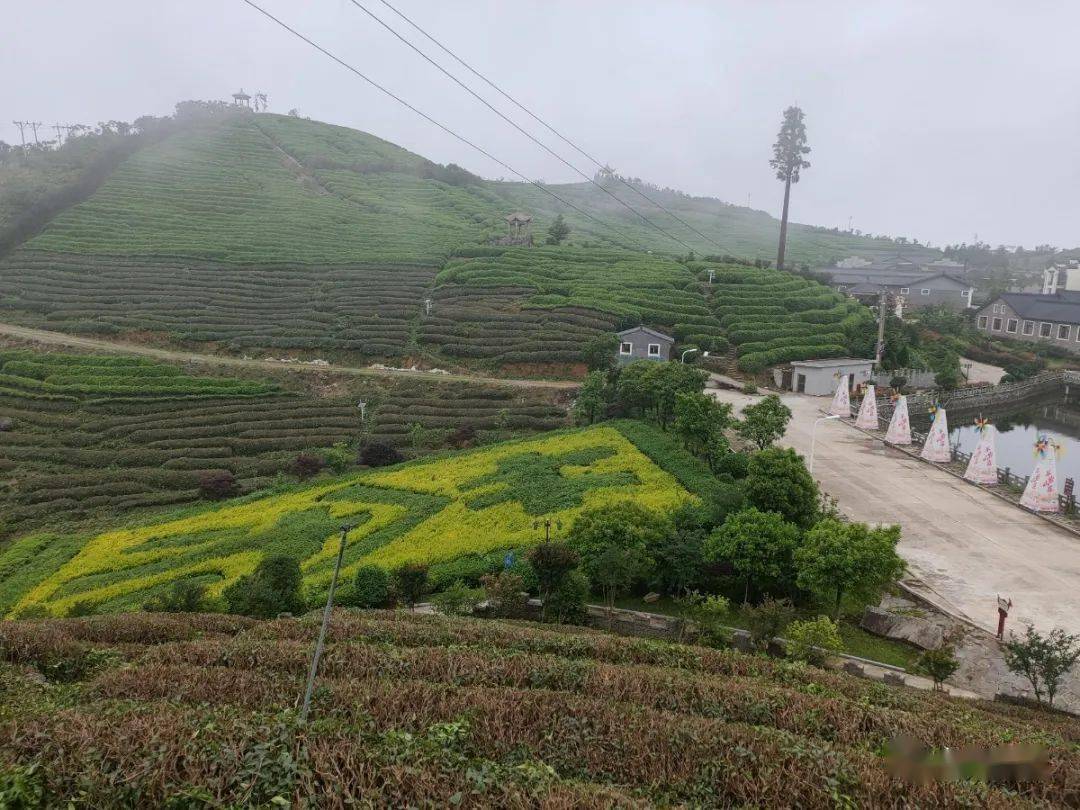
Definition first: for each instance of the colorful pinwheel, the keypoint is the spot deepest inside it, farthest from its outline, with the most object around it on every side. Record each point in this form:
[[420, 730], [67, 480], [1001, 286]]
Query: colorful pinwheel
[[982, 424]]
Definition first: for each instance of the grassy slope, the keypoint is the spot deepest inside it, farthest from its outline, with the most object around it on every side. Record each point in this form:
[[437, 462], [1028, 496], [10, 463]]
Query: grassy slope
[[474, 504], [429, 711]]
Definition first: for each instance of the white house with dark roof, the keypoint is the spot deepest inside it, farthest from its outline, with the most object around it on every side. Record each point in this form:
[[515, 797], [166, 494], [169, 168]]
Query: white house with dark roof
[[1051, 319], [643, 343], [919, 289]]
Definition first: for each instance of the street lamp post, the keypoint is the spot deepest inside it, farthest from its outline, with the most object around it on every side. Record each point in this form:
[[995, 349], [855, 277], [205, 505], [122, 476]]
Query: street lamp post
[[688, 351], [813, 439]]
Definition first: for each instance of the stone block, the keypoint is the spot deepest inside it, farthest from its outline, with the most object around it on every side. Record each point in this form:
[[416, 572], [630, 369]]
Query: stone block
[[894, 678], [913, 629], [741, 641], [853, 668]]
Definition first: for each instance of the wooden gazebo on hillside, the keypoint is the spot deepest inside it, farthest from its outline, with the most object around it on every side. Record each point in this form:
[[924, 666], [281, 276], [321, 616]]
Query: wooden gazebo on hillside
[[519, 229]]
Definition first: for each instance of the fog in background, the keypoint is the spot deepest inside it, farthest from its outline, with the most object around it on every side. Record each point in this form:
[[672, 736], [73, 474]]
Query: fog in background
[[930, 120]]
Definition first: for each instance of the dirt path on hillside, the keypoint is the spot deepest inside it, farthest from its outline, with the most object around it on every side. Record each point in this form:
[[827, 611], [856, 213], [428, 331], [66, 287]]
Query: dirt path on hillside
[[175, 355]]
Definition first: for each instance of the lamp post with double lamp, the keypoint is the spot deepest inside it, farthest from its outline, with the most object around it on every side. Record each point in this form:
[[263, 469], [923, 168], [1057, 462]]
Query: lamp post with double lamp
[[813, 439], [688, 351]]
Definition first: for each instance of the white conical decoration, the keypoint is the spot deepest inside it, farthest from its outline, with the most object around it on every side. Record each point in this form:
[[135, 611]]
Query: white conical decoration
[[1040, 494], [936, 448], [899, 431], [982, 468], [868, 418], [841, 404]]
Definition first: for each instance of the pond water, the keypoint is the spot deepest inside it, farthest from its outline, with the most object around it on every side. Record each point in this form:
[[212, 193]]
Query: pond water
[[1017, 432]]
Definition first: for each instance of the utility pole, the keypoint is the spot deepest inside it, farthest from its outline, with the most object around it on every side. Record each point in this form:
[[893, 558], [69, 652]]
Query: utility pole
[[22, 132], [34, 125], [883, 301], [306, 707]]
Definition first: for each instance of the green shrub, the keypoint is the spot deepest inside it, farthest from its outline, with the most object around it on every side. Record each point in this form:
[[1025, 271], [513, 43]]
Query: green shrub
[[457, 600], [938, 665], [272, 588], [185, 596], [371, 587], [566, 602], [768, 620], [409, 582], [813, 640]]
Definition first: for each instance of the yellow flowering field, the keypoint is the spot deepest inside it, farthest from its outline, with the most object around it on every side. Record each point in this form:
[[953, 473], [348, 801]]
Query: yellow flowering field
[[474, 502]]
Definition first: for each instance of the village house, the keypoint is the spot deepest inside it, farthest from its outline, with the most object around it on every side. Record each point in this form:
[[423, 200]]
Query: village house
[[1050, 319], [917, 289], [643, 343]]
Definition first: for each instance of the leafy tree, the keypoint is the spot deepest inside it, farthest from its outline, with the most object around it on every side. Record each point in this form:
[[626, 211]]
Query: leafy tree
[[700, 420], [371, 587], [664, 383], [1043, 660], [777, 481], [566, 604], [735, 465], [272, 588], [613, 542], [558, 231], [765, 421], [788, 161], [616, 568], [551, 561], [631, 388], [848, 558], [812, 640], [599, 351], [185, 596], [592, 399], [339, 457], [758, 546], [679, 556], [768, 620], [938, 665], [409, 582], [503, 592]]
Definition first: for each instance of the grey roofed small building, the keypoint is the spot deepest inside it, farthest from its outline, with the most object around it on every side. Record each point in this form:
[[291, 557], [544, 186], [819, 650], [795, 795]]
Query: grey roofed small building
[[819, 378], [643, 343], [1034, 317]]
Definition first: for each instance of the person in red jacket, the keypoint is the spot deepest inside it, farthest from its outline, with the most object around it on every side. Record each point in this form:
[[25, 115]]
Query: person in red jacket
[[1003, 612]]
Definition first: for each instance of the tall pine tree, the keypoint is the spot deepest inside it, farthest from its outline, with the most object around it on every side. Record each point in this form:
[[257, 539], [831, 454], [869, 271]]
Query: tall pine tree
[[788, 152]]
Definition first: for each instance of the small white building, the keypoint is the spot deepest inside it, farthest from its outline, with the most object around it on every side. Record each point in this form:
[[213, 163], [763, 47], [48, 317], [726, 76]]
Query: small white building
[[819, 377]]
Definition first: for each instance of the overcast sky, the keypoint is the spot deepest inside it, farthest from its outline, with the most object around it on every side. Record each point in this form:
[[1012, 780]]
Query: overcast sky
[[931, 120]]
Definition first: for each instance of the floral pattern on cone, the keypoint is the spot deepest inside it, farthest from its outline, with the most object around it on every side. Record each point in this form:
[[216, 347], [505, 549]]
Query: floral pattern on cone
[[982, 468], [868, 417], [899, 431], [1040, 494], [937, 448], [841, 403]]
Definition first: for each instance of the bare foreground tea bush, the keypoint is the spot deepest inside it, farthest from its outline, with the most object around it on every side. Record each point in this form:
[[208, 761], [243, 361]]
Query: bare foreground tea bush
[[198, 711]]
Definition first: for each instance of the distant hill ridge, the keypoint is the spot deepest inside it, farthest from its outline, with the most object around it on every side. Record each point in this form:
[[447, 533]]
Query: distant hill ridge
[[266, 187]]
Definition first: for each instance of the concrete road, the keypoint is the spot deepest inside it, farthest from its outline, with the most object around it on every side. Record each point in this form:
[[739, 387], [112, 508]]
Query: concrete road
[[977, 372], [963, 546]]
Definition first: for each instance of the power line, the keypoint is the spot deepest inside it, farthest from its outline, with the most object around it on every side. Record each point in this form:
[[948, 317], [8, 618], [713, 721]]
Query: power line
[[548, 126], [428, 118], [516, 126]]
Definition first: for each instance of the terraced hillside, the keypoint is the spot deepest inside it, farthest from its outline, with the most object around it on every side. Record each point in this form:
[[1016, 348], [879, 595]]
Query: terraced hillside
[[88, 436], [419, 711], [262, 232], [774, 318], [464, 508]]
